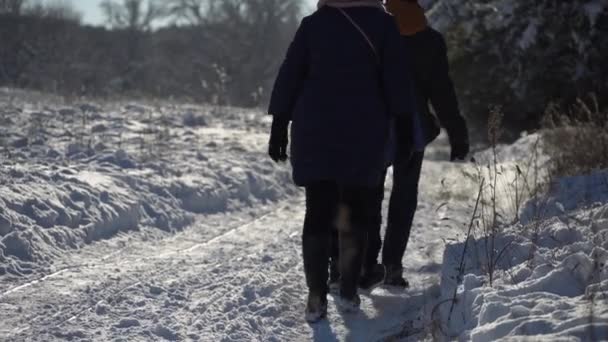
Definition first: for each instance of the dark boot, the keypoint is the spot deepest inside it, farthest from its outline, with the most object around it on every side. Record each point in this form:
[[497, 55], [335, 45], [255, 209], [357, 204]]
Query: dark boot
[[348, 305], [321, 206], [352, 244], [372, 277], [316, 258], [355, 221], [394, 277], [334, 264], [334, 276], [316, 308], [374, 241]]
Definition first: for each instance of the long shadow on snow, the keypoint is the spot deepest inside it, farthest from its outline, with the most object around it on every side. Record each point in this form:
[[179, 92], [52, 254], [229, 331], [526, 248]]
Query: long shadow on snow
[[322, 332]]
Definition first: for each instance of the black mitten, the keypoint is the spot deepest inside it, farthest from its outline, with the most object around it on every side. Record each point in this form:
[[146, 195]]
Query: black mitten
[[277, 147]]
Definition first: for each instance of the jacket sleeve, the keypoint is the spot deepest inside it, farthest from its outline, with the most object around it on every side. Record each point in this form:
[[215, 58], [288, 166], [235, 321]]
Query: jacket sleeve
[[443, 96], [291, 77], [397, 81]]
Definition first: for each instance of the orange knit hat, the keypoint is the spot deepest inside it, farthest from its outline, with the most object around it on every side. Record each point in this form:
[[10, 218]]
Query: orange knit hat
[[409, 14]]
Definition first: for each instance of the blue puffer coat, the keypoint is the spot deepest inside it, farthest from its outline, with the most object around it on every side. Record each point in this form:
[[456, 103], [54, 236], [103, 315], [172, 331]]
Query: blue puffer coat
[[341, 96]]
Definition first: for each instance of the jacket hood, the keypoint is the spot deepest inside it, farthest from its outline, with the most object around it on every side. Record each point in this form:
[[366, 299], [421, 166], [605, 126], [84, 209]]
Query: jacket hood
[[409, 15]]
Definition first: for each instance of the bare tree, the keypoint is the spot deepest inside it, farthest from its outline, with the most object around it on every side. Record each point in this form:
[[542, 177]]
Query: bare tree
[[14, 7], [56, 9], [239, 41], [221, 51], [134, 19], [37, 41], [190, 12], [135, 15]]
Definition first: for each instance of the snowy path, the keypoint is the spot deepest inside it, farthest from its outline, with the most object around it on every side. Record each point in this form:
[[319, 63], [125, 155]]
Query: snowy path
[[201, 243], [229, 277]]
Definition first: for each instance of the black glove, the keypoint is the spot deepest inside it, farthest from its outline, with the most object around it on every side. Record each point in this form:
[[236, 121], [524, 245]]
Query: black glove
[[277, 147], [458, 134], [460, 150]]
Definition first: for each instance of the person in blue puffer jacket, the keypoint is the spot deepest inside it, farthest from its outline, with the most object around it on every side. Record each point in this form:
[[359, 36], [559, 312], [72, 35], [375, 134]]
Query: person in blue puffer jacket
[[341, 83]]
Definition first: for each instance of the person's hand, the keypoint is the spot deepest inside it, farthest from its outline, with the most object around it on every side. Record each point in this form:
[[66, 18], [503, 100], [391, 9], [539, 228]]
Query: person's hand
[[277, 147], [458, 135], [460, 150]]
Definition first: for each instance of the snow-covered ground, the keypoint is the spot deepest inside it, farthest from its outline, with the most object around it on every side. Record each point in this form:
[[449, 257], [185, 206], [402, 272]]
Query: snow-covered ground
[[71, 175], [544, 277], [172, 224]]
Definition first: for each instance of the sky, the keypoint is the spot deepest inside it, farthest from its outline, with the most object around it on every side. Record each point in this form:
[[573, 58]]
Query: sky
[[91, 13]]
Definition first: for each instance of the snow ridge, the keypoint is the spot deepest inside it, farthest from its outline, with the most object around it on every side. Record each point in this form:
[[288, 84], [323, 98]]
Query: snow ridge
[[92, 172]]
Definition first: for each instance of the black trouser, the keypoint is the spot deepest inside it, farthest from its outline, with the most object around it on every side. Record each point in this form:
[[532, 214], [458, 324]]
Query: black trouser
[[402, 207], [347, 209]]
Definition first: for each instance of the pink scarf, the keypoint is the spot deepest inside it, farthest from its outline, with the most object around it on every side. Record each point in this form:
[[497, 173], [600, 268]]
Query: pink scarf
[[351, 3]]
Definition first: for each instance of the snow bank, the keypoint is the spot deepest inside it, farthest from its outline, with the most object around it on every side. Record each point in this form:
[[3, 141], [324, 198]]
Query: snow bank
[[526, 150], [522, 167], [550, 277], [71, 175], [566, 195]]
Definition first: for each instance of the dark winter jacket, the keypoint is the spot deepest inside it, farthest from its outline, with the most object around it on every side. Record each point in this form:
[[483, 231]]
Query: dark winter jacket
[[428, 55], [340, 96]]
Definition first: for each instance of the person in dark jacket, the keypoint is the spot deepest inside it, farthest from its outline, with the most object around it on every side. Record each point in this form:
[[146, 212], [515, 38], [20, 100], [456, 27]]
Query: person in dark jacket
[[340, 84], [433, 85]]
